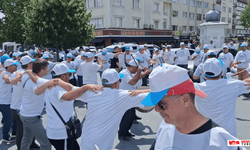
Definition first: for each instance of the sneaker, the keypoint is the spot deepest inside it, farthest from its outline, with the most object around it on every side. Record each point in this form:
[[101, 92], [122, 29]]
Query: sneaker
[[34, 146], [13, 135], [137, 118], [130, 134], [135, 122], [9, 140]]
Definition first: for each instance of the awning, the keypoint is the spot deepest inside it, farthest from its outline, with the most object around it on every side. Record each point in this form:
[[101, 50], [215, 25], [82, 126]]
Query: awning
[[142, 39], [97, 40]]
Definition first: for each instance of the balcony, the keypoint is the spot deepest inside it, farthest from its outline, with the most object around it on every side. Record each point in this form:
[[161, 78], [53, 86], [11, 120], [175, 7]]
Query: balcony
[[234, 14], [218, 1]]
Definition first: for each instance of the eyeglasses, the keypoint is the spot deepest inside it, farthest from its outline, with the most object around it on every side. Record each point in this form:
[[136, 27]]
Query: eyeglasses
[[70, 74], [161, 105]]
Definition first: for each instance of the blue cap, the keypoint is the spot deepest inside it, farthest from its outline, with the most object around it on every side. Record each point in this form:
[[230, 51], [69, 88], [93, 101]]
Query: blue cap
[[69, 55], [138, 59], [104, 53], [4, 57], [127, 48], [204, 47], [153, 98], [71, 71], [121, 75]]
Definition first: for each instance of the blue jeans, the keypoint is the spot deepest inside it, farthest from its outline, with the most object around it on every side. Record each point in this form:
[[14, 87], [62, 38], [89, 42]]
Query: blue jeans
[[7, 119], [80, 82]]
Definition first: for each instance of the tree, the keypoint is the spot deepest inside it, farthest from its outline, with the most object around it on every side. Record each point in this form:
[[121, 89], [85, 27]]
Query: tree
[[11, 25], [57, 23], [245, 17]]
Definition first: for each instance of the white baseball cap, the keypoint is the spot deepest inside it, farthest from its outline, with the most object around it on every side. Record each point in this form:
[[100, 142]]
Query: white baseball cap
[[62, 68], [10, 62], [69, 55], [110, 76], [104, 50], [231, 42], [211, 39], [133, 63], [45, 56], [169, 80], [83, 53], [168, 46], [163, 46], [197, 49], [89, 55], [182, 43], [26, 59], [225, 47], [145, 45], [212, 67], [205, 46], [140, 47], [211, 53], [244, 44]]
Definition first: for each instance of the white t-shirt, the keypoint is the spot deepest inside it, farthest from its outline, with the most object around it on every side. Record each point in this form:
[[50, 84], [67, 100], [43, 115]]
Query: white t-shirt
[[197, 59], [168, 138], [244, 58], [154, 57], [89, 72], [127, 77], [32, 104], [17, 95], [50, 66], [233, 47], [105, 60], [70, 65], [171, 55], [121, 59], [182, 56], [220, 103], [5, 90], [226, 58], [198, 73], [77, 63], [104, 114], [147, 52], [144, 58], [211, 46], [55, 127]]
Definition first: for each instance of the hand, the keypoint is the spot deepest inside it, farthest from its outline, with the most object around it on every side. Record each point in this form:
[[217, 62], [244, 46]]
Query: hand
[[28, 71], [19, 75], [147, 71], [94, 88], [194, 56], [139, 70], [52, 83], [235, 66], [237, 62], [247, 80], [154, 63], [120, 69], [134, 93]]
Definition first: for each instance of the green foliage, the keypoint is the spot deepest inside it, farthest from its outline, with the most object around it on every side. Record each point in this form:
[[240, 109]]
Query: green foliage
[[61, 23], [245, 16], [11, 25]]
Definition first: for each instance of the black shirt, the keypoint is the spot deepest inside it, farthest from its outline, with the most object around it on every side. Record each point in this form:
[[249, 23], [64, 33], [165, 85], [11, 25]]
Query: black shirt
[[113, 63]]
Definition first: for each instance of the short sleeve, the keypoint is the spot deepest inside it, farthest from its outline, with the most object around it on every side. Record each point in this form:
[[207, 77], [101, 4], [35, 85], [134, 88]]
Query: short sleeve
[[59, 92], [83, 97], [147, 57], [97, 67], [99, 54], [198, 72], [12, 76], [111, 56], [126, 78], [41, 81], [231, 57]]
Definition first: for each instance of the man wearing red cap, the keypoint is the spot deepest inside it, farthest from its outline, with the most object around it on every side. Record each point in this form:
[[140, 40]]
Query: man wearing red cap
[[183, 127]]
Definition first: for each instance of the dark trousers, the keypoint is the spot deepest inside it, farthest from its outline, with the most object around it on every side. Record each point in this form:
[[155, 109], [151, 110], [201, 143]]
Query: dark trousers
[[228, 70], [80, 82], [194, 68], [126, 122], [19, 129], [145, 81], [7, 119], [183, 66], [60, 144]]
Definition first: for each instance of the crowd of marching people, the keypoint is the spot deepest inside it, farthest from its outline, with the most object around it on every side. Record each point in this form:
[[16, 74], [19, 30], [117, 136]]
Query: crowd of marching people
[[198, 115]]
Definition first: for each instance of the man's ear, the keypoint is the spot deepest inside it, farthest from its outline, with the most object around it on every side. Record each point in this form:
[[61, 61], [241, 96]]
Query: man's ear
[[185, 100]]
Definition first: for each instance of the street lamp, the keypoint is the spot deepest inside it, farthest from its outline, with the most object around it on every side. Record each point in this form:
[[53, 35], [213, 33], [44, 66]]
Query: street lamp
[[227, 15]]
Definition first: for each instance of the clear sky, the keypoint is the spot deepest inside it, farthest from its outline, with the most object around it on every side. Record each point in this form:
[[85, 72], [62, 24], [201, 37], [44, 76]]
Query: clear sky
[[1, 15]]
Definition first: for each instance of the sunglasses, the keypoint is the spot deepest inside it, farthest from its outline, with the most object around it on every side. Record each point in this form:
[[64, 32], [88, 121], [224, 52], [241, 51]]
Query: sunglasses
[[70, 74], [162, 106]]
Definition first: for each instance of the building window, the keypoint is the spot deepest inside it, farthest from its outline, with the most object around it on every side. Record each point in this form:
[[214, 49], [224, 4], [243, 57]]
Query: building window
[[136, 23], [199, 17], [191, 28], [230, 10], [192, 3], [184, 28], [199, 4], [229, 20], [191, 16], [165, 24], [185, 2], [175, 13], [205, 5], [175, 28], [223, 8], [118, 22], [156, 24], [175, 1], [136, 4], [94, 3], [98, 22], [118, 2], [184, 15], [156, 7], [223, 19]]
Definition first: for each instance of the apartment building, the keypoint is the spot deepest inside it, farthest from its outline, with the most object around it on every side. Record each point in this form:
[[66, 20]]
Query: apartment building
[[240, 6], [160, 17]]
